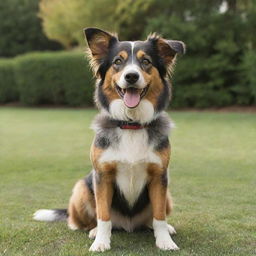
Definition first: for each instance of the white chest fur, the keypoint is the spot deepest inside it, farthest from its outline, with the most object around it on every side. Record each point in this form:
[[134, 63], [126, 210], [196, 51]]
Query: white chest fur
[[131, 179], [132, 155], [133, 148]]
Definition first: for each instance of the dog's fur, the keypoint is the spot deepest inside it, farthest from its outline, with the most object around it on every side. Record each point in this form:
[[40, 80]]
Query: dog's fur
[[128, 186]]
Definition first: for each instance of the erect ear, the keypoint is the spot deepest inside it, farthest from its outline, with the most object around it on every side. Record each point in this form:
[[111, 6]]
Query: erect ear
[[167, 49], [99, 43]]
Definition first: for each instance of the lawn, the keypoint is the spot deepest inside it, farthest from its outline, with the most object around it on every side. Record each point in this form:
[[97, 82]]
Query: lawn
[[213, 181]]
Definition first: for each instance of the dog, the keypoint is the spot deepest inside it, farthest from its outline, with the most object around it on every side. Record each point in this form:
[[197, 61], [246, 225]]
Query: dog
[[128, 186]]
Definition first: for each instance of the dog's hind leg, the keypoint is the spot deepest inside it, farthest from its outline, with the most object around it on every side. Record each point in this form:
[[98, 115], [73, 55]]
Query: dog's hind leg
[[82, 214]]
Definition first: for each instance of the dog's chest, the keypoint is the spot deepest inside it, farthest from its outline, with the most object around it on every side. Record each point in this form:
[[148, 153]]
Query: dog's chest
[[132, 147], [131, 179], [132, 154]]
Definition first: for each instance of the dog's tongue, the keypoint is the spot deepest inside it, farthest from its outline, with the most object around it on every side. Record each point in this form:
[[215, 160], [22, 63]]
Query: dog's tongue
[[131, 97]]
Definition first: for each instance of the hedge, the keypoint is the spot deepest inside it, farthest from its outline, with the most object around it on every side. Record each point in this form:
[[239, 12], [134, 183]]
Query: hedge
[[8, 85], [47, 78], [54, 78], [64, 78]]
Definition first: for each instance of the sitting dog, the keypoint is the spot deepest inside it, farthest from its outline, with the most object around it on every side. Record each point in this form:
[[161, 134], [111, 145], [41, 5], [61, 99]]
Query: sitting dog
[[128, 186]]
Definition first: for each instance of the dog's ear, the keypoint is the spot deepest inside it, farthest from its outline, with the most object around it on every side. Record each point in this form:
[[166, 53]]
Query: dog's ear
[[167, 49], [99, 43]]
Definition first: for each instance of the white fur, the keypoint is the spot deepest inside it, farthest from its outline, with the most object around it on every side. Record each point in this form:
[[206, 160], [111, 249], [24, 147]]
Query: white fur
[[44, 215], [131, 179], [171, 229], [102, 240], [132, 49], [143, 113], [72, 226], [163, 238], [93, 233], [132, 149]]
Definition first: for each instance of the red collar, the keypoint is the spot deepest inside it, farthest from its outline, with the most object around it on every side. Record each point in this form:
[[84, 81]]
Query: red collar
[[130, 125]]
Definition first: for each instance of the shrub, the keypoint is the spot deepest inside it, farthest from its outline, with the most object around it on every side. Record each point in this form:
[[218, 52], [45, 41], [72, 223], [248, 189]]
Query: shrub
[[8, 86], [248, 77], [54, 78]]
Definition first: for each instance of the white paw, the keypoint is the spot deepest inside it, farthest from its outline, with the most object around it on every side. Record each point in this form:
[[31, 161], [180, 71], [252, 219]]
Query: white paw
[[99, 246], [166, 244], [72, 226], [92, 233], [171, 229]]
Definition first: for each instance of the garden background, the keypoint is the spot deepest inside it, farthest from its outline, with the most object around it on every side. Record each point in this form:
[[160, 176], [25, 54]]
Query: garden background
[[46, 107], [217, 70]]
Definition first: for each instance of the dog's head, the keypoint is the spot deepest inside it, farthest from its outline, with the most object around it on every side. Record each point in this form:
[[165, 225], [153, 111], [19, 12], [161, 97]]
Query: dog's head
[[132, 76]]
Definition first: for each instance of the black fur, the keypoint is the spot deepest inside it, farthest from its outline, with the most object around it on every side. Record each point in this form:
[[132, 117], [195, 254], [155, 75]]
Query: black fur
[[162, 144], [164, 97], [120, 204], [100, 97], [88, 180], [102, 142], [158, 131], [104, 128], [164, 179], [60, 214]]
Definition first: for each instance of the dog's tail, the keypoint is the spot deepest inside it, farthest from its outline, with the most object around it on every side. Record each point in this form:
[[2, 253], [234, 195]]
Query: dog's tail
[[51, 215]]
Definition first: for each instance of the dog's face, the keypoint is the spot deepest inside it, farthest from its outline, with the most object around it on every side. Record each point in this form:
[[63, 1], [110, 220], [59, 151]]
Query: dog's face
[[131, 74]]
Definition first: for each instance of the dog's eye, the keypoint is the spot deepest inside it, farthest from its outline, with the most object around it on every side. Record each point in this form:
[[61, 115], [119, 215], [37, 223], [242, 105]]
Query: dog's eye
[[146, 62], [118, 61]]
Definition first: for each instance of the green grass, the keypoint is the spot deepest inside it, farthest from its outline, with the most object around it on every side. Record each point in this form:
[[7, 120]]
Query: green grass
[[44, 151]]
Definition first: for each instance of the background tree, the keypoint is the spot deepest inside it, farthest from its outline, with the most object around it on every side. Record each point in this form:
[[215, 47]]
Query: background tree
[[64, 20], [20, 28]]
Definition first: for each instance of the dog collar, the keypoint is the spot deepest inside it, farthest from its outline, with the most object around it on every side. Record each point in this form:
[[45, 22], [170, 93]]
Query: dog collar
[[130, 125]]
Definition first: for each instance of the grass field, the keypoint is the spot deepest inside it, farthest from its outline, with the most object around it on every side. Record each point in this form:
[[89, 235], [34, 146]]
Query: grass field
[[213, 181]]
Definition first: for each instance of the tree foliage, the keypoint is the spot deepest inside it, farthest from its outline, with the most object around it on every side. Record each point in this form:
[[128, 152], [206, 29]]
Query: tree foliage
[[217, 69], [20, 28], [64, 20]]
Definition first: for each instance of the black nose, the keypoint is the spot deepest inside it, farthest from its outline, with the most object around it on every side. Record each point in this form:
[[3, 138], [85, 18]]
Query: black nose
[[132, 78]]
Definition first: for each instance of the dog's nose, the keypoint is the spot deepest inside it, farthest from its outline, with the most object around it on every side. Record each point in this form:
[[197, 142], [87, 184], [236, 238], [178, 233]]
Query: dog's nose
[[132, 78]]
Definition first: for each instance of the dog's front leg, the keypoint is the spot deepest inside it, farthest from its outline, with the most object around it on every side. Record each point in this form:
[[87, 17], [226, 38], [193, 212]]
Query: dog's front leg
[[103, 185], [158, 196]]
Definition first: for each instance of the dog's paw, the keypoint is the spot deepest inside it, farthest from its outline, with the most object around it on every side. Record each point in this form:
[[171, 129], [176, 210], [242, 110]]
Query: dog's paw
[[72, 226], [99, 246], [92, 233], [171, 229], [166, 244]]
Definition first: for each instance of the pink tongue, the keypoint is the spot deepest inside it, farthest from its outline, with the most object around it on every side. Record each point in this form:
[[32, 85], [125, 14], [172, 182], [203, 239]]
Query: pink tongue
[[131, 98]]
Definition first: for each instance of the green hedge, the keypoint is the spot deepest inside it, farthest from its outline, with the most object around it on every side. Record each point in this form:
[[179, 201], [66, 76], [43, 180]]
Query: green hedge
[[54, 78], [47, 78], [8, 85], [64, 78]]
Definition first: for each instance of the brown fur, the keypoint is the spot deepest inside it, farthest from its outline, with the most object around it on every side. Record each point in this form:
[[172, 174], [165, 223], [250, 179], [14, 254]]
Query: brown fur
[[155, 86], [105, 175], [78, 215], [157, 191], [123, 54]]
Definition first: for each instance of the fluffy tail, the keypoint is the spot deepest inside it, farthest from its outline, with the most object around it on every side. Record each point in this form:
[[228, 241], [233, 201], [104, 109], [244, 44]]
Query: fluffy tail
[[51, 215]]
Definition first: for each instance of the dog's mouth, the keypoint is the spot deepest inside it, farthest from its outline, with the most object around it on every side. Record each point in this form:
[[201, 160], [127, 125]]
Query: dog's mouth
[[131, 96]]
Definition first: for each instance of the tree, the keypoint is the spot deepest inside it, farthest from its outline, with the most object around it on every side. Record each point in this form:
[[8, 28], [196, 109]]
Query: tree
[[64, 20], [213, 71], [20, 28]]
